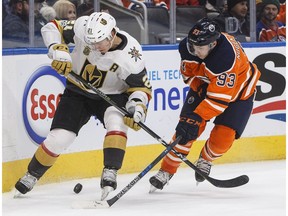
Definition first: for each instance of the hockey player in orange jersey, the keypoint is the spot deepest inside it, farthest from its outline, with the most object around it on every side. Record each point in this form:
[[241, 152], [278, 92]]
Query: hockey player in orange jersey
[[222, 85]]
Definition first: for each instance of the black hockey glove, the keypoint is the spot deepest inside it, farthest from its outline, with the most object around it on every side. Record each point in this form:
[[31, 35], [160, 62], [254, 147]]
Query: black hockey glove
[[188, 128]]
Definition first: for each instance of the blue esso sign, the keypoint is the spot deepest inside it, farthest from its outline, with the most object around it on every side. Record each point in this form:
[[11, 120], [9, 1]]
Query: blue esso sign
[[41, 96]]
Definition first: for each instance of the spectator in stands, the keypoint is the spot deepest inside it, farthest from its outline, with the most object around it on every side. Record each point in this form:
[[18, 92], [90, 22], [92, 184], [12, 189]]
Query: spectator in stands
[[39, 20], [5, 9], [225, 6], [238, 10], [65, 10], [118, 2], [268, 28], [50, 2], [86, 8], [15, 28], [184, 2], [282, 13], [130, 5], [211, 6], [48, 12], [258, 7], [75, 2], [16, 24]]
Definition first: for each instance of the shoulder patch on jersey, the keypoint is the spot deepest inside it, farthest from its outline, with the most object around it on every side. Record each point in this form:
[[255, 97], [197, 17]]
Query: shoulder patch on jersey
[[86, 50], [135, 54]]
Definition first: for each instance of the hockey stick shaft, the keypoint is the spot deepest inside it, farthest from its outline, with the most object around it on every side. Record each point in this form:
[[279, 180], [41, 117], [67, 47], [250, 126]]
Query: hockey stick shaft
[[110, 202], [143, 173], [235, 182]]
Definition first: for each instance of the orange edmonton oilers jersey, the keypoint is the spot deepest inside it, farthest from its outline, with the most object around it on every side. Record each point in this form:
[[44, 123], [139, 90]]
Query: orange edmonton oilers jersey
[[281, 17], [227, 70], [277, 32]]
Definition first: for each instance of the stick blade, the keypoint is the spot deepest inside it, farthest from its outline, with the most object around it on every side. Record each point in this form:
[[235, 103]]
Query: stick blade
[[90, 204], [230, 183]]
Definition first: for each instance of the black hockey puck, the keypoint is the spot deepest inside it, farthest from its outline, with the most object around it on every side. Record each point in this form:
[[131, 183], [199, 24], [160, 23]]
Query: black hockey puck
[[78, 187]]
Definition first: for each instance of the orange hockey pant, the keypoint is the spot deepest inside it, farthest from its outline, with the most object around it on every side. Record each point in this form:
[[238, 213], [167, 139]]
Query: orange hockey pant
[[220, 141]]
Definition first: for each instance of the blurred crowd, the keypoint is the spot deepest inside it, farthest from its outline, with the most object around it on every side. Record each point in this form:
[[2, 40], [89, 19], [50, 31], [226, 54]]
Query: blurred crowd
[[270, 16]]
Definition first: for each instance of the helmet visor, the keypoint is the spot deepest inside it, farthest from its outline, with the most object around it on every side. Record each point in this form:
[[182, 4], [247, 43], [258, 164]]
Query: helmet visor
[[102, 46], [190, 48]]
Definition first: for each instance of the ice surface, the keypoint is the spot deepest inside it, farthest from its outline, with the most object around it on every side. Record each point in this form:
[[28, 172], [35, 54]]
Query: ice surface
[[264, 195]]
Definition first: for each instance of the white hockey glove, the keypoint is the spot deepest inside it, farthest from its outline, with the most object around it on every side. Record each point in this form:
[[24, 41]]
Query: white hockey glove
[[62, 61], [136, 106]]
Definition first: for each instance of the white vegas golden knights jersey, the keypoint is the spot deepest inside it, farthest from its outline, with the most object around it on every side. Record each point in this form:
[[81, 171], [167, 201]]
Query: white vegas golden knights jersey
[[117, 71]]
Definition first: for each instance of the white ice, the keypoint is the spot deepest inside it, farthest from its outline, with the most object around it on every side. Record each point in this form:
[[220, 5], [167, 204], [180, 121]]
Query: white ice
[[264, 195]]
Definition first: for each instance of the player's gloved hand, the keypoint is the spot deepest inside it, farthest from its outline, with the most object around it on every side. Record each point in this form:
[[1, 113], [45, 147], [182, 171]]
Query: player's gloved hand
[[188, 128], [138, 113], [202, 90], [62, 61]]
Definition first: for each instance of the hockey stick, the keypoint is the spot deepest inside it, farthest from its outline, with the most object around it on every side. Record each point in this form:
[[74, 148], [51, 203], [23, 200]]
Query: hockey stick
[[229, 183], [107, 203]]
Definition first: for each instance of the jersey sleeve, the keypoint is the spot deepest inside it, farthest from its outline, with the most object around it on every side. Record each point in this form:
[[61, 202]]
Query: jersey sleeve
[[139, 82], [189, 63], [58, 31], [134, 71]]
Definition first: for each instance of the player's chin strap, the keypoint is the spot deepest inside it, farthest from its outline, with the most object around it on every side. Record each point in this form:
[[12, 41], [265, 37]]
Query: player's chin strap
[[229, 183]]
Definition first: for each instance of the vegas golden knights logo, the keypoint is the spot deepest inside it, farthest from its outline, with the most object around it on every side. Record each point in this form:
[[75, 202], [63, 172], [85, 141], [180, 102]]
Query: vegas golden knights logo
[[94, 76], [86, 51], [103, 21]]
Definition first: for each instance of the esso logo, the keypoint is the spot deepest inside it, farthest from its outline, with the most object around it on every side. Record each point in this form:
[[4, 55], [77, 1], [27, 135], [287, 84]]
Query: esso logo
[[40, 99]]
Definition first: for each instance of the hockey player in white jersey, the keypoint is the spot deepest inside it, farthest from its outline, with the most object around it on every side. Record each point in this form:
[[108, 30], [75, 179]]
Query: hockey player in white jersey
[[112, 61]]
